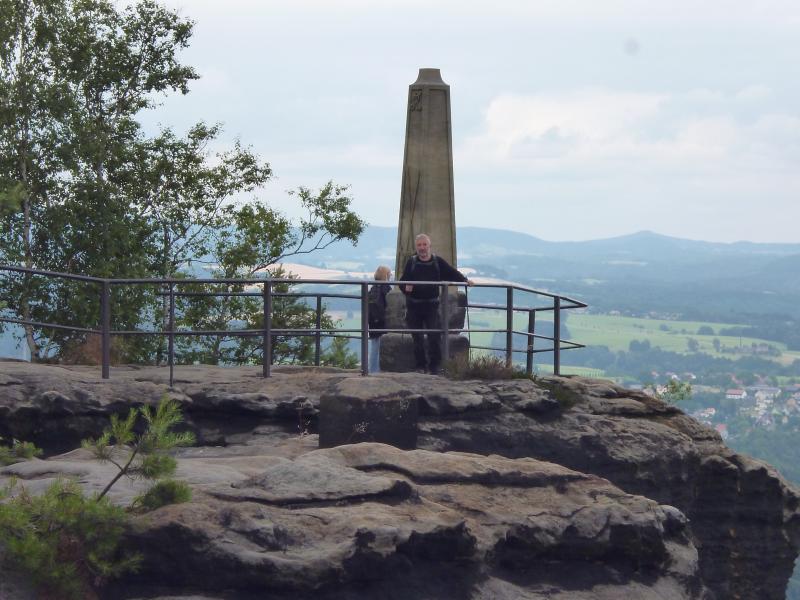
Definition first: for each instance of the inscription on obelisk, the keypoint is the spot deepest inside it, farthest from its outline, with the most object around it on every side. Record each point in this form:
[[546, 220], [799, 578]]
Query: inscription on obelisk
[[426, 197]]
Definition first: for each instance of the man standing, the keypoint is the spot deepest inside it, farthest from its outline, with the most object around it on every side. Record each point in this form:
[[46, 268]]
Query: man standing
[[422, 301]]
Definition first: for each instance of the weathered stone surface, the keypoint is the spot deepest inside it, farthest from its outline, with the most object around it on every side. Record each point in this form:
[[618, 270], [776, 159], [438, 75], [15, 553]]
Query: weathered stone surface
[[370, 520], [742, 515], [368, 409], [397, 351]]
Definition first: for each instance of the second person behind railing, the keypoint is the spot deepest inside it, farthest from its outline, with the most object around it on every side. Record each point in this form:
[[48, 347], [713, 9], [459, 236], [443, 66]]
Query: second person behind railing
[[377, 315], [422, 301]]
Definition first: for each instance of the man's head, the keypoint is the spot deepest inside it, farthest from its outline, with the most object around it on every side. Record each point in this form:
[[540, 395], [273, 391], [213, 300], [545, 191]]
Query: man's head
[[422, 243]]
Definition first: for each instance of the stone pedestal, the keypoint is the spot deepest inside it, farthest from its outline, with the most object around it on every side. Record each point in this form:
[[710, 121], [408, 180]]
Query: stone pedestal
[[368, 409], [397, 351], [396, 309]]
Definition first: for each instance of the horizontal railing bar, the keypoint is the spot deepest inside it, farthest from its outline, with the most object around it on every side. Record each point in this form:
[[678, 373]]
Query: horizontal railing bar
[[51, 273], [236, 333], [282, 280], [309, 331], [512, 350], [48, 325], [260, 294], [503, 307], [525, 350]]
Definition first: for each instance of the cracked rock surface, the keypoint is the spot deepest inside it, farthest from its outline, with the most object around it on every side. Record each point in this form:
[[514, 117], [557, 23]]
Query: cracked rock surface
[[563, 488]]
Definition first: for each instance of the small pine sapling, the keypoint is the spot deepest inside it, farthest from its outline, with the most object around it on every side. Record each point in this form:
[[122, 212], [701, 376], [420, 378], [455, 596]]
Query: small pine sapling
[[146, 455], [18, 451]]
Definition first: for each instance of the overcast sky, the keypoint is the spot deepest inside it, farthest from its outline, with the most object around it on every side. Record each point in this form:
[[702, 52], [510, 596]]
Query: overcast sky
[[572, 119]]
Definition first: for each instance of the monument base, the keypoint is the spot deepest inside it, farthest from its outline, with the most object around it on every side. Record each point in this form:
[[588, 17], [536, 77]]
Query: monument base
[[396, 309], [397, 351]]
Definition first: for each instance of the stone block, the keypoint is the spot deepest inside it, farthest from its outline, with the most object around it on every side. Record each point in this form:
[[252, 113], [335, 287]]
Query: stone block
[[397, 351], [369, 409], [396, 309]]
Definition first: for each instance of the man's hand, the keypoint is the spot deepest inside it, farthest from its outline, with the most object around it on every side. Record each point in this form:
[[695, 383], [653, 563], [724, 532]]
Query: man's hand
[[408, 288]]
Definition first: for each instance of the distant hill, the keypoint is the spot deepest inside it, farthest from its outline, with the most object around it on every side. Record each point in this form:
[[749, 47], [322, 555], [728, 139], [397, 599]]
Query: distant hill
[[641, 272], [480, 244]]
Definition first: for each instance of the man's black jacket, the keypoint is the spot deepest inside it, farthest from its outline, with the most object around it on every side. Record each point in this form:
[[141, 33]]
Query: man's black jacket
[[435, 269]]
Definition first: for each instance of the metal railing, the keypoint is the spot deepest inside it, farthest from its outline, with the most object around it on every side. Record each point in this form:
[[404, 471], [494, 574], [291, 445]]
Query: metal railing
[[556, 304]]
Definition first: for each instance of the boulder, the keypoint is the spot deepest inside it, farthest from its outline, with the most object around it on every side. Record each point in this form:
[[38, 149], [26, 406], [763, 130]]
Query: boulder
[[739, 515], [397, 351], [370, 520], [368, 409]]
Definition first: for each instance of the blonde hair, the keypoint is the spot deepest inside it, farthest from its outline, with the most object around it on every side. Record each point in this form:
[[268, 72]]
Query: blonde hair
[[382, 273]]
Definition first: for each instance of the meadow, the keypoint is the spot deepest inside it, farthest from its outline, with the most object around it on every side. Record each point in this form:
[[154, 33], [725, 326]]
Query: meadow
[[617, 332]]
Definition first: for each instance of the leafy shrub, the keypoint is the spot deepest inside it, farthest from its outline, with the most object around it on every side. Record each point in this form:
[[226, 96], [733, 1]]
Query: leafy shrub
[[566, 397], [481, 367], [17, 452], [66, 542], [164, 492], [676, 391]]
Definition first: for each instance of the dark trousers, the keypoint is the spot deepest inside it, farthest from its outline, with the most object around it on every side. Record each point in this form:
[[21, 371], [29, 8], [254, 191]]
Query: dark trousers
[[425, 315]]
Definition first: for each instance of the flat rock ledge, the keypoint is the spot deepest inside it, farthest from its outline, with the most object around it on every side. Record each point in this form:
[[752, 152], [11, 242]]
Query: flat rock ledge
[[561, 487]]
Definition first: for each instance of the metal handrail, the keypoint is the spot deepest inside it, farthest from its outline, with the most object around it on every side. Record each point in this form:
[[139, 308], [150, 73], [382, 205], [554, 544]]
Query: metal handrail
[[268, 332]]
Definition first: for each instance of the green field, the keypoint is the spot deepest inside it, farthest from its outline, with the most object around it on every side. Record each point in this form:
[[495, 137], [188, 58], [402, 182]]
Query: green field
[[617, 332]]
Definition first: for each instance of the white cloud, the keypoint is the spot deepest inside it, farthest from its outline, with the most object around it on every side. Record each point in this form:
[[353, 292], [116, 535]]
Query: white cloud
[[590, 128], [684, 11]]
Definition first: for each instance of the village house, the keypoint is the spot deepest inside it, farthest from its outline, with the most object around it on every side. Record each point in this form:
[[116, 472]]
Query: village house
[[705, 415], [765, 391]]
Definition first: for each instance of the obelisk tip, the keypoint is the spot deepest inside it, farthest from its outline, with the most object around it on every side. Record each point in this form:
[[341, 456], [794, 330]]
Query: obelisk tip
[[429, 77]]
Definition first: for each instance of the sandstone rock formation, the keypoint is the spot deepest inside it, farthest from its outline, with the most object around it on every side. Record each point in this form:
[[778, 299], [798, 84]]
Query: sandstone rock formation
[[559, 488]]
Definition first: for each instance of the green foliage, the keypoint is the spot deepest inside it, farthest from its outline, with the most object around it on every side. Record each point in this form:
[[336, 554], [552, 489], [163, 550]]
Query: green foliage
[[481, 367], [566, 397], [11, 199], [164, 492], [337, 354], [67, 543], [676, 391], [145, 455], [84, 189], [18, 451], [259, 238]]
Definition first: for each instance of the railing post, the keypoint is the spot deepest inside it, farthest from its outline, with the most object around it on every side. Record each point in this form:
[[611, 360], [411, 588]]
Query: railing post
[[531, 339], [446, 324], [557, 336], [318, 340], [364, 330], [171, 333], [509, 325], [105, 326], [266, 353]]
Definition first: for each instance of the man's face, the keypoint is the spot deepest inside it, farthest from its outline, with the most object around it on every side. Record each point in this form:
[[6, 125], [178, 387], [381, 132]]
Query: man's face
[[423, 246]]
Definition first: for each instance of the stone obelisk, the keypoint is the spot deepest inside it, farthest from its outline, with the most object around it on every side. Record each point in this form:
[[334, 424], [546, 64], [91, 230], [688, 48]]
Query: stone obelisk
[[426, 206], [426, 198]]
